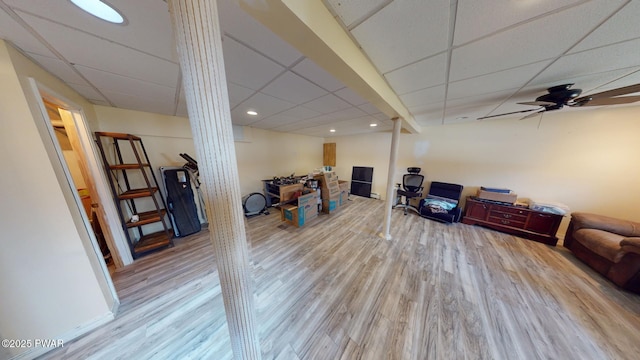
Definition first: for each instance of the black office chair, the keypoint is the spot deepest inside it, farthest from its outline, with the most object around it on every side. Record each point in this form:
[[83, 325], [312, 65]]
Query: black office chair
[[411, 189]]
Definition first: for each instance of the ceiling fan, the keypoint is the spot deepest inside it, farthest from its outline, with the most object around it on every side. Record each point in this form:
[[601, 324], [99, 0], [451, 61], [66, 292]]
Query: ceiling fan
[[559, 96]]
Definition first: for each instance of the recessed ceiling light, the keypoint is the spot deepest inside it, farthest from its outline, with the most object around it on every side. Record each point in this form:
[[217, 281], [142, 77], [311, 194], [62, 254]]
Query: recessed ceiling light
[[373, 124], [252, 113], [100, 10], [332, 130]]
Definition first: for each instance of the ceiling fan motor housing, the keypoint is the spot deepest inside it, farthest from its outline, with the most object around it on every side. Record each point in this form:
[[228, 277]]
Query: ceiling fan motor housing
[[559, 95]]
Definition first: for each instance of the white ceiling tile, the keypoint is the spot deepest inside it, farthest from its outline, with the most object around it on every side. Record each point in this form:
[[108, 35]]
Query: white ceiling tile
[[237, 94], [465, 112], [292, 88], [501, 80], [240, 25], [22, 38], [620, 27], [58, 68], [105, 55], [381, 116], [350, 96], [404, 32], [369, 108], [87, 92], [107, 83], [631, 77], [476, 19], [429, 118], [300, 113], [327, 104], [142, 103], [148, 19], [354, 11], [264, 104], [274, 121], [423, 74], [518, 46], [246, 67], [338, 116], [309, 70], [483, 98], [617, 56], [424, 96], [346, 114], [286, 117], [587, 82]]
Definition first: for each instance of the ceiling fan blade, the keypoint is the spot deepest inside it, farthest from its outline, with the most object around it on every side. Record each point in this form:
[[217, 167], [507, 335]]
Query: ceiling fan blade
[[613, 101], [537, 103], [533, 114], [615, 92], [509, 113]]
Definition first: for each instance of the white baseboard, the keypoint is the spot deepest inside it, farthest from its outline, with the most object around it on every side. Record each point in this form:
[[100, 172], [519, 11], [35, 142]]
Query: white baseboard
[[67, 337]]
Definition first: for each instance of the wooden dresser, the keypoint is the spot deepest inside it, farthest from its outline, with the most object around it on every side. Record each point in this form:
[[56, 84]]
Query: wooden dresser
[[516, 220]]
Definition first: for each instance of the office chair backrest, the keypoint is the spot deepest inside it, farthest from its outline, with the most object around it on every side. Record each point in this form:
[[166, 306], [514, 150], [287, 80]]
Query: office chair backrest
[[412, 182]]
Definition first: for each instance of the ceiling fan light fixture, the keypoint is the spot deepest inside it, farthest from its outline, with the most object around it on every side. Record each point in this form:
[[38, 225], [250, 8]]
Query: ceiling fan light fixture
[[100, 10]]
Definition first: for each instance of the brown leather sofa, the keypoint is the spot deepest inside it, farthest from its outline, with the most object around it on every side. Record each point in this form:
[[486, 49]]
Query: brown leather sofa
[[610, 246]]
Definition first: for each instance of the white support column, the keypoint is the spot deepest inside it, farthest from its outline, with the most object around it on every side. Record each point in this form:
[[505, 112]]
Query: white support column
[[199, 40], [395, 142]]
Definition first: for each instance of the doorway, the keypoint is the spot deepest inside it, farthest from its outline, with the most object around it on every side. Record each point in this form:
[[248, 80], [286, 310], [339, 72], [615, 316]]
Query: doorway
[[66, 135], [64, 131]]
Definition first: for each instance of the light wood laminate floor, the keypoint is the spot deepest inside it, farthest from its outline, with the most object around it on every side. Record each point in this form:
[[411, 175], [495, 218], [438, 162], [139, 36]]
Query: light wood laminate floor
[[335, 290]]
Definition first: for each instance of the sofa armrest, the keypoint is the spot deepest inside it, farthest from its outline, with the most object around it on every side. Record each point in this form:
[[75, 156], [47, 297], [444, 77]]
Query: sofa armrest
[[630, 245], [605, 223]]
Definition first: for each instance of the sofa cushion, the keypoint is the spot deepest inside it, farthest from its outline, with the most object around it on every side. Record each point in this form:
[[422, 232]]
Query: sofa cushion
[[601, 242]]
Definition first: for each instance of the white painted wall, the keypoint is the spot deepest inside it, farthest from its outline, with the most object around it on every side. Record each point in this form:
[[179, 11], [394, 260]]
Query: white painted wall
[[263, 155], [49, 287], [586, 159]]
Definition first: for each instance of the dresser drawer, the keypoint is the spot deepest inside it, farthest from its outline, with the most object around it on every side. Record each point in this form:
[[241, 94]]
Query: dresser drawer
[[511, 209], [500, 220], [508, 215]]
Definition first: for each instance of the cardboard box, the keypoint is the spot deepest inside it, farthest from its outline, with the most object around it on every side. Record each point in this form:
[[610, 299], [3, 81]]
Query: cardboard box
[[287, 192], [344, 197], [495, 196], [328, 183], [330, 205], [309, 204], [289, 213], [305, 211], [343, 185]]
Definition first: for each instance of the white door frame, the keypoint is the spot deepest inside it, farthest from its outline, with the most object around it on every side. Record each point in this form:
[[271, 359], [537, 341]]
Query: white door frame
[[96, 172]]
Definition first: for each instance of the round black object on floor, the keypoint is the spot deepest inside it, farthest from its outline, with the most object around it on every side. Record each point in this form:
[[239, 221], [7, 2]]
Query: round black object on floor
[[254, 204]]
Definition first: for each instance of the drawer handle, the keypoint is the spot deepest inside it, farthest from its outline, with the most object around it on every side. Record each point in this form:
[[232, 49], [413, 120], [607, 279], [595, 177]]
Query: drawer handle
[[508, 216], [505, 222]]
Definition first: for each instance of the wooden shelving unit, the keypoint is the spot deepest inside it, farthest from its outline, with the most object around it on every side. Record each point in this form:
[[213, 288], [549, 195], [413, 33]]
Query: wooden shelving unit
[[134, 186]]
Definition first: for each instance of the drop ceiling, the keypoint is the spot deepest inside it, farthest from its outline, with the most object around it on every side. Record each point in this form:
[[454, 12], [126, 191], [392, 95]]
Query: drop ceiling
[[448, 61]]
